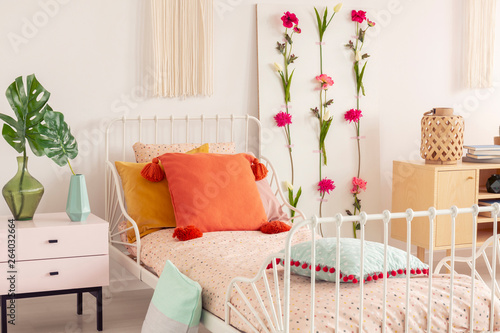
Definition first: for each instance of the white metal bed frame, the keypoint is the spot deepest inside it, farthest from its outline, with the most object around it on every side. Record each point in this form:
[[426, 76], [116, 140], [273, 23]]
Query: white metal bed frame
[[115, 210], [278, 320]]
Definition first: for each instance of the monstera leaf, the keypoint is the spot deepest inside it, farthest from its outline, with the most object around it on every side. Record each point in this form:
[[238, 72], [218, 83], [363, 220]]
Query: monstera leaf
[[56, 139], [29, 104]]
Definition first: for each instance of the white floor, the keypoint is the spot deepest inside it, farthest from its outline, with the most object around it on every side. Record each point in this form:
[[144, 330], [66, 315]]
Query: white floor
[[124, 312]]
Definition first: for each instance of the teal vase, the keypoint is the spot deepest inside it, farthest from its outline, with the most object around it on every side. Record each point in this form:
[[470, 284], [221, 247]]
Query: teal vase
[[77, 206], [23, 192]]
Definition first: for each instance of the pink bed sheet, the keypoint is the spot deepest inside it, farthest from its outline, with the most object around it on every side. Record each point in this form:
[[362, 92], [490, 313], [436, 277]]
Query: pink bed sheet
[[216, 258]]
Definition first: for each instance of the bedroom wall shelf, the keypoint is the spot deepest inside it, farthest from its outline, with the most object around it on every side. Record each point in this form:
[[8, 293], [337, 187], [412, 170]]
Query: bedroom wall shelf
[[420, 186]]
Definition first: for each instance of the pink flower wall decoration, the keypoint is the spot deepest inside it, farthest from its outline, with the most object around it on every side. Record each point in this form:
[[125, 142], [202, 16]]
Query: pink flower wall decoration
[[325, 80], [353, 115], [326, 185], [289, 19], [358, 16], [282, 119], [358, 185]]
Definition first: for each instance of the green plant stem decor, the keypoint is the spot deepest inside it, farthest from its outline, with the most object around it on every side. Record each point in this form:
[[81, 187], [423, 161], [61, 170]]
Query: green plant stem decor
[[23, 192]]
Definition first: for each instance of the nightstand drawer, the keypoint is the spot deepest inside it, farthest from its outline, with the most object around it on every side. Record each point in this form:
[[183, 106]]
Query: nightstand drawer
[[57, 274], [58, 241]]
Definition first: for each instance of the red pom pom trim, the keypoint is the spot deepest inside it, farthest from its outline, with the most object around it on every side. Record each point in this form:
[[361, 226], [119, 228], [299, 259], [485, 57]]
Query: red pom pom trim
[[187, 233]]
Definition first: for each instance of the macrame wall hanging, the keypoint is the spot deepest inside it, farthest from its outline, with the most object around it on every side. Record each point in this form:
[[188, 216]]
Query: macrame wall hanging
[[480, 39], [182, 42]]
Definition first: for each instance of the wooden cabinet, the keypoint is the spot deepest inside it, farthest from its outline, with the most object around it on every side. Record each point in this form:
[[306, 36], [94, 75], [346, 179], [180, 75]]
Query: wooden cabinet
[[418, 186]]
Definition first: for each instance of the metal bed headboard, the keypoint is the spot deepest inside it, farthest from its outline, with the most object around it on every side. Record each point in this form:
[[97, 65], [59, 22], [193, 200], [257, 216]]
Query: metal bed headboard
[[122, 133], [252, 127]]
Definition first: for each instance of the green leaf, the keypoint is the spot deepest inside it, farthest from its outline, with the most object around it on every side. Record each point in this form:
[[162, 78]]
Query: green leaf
[[12, 138], [296, 201], [325, 127], [360, 79], [290, 197], [320, 27], [56, 138], [29, 104], [325, 14]]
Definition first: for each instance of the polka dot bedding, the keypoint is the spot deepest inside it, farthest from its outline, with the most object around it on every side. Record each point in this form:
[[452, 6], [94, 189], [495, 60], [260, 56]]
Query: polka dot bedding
[[216, 258]]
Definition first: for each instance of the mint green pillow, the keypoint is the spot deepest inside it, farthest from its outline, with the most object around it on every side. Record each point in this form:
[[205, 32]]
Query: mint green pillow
[[350, 259], [176, 304]]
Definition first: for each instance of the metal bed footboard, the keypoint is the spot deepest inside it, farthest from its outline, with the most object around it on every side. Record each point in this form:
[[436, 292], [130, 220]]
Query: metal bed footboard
[[278, 318]]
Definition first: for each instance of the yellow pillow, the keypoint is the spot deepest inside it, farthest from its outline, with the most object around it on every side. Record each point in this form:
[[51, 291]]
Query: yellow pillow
[[148, 203]]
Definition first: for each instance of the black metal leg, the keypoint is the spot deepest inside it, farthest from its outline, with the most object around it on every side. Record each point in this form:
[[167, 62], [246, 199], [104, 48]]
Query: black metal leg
[[4, 313], [99, 309], [79, 303]]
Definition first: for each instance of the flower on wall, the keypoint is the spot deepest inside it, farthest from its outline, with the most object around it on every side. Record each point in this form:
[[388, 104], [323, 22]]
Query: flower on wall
[[325, 186], [353, 116], [283, 119], [322, 113]]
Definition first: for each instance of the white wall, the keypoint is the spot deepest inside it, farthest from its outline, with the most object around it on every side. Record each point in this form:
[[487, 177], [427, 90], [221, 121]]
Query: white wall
[[85, 53]]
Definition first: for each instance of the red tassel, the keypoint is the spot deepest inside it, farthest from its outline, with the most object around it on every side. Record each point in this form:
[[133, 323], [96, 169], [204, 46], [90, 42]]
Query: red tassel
[[297, 263], [274, 227], [354, 280], [304, 266], [259, 169], [152, 171], [340, 275], [412, 271], [368, 278], [400, 271], [350, 277], [381, 276], [419, 271], [278, 260], [346, 279], [375, 277], [187, 233], [325, 269], [332, 270], [393, 273]]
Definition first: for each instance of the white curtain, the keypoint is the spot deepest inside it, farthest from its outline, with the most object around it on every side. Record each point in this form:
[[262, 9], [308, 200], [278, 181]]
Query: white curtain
[[480, 38], [182, 48]]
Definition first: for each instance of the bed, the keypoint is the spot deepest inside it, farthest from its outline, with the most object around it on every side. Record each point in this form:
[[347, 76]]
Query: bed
[[245, 290]]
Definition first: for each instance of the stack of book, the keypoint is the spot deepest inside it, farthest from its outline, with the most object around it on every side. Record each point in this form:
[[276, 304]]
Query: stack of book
[[482, 154]]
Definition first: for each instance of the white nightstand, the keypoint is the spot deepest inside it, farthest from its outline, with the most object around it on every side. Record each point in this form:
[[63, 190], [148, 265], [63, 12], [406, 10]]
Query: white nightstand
[[51, 255]]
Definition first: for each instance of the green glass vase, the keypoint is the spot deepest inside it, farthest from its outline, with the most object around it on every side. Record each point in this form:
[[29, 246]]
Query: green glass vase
[[23, 192]]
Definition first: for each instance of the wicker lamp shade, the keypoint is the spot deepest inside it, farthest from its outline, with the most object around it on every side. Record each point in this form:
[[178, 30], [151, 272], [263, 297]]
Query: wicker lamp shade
[[442, 137]]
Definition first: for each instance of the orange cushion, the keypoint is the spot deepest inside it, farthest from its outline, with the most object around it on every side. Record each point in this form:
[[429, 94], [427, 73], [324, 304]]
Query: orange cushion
[[148, 203], [213, 192]]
